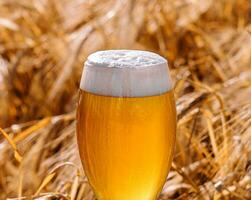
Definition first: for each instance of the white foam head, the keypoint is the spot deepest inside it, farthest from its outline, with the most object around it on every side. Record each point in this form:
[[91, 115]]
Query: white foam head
[[126, 73]]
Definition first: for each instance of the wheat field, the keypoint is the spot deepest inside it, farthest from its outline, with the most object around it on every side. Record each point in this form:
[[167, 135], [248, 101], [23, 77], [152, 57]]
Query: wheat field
[[43, 45]]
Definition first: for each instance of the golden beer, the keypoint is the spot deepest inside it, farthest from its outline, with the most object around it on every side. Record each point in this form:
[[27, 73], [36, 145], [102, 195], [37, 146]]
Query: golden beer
[[125, 142]]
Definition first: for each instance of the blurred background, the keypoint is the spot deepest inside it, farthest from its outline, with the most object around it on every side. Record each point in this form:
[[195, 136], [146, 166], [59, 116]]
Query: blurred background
[[43, 45]]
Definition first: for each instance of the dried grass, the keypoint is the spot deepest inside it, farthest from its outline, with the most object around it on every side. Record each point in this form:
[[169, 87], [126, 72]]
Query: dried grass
[[42, 48]]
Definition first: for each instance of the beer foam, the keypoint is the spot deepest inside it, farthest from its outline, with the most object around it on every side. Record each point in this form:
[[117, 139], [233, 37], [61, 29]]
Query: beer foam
[[126, 73]]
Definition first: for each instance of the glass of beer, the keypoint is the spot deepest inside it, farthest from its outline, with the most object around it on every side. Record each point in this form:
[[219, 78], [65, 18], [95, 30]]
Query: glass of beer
[[126, 124]]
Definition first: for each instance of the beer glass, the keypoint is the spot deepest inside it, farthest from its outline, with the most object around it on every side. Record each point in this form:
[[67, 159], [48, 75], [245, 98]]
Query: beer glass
[[126, 124]]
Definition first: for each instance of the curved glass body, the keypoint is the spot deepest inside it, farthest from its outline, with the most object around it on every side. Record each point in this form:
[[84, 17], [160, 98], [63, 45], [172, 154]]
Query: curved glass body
[[126, 143]]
